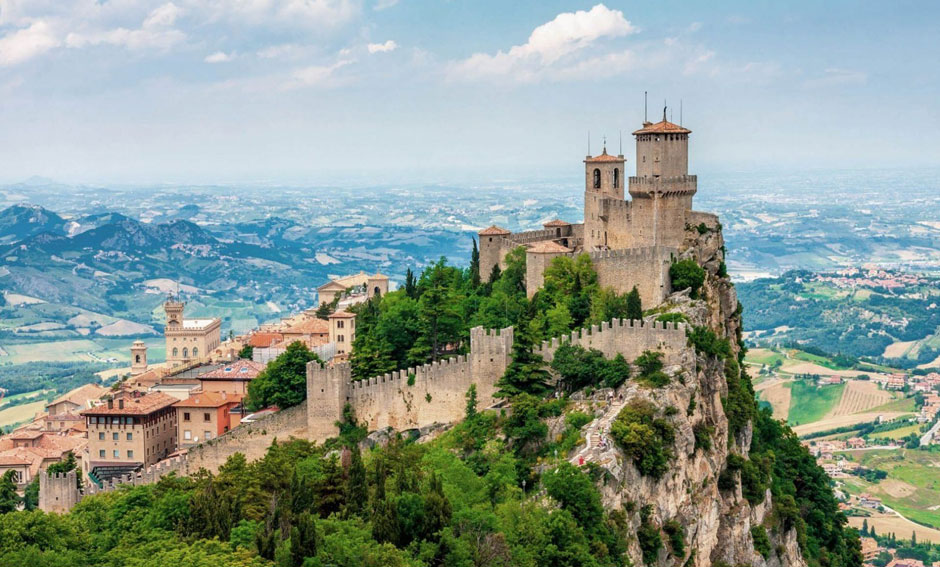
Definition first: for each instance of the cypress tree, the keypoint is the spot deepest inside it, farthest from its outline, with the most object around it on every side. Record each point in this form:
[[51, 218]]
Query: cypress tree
[[475, 265], [303, 539], [357, 487], [411, 285], [526, 373], [634, 306]]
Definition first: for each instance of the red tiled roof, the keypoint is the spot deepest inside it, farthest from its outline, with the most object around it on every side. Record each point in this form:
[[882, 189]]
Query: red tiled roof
[[342, 315], [26, 434], [238, 370], [208, 400], [604, 157], [547, 247], [81, 395], [12, 461], [143, 405], [663, 127], [314, 326], [264, 340], [493, 231], [556, 222]]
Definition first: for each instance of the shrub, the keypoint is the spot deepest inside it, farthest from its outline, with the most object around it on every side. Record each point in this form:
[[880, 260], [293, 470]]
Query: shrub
[[580, 368], [703, 436], [648, 536], [761, 541], [647, 439], [650, 364], [673, 318], [676, 535], [687, 274]]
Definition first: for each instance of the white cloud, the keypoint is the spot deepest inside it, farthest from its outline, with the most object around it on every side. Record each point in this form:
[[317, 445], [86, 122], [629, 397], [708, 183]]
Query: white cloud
[[389, 45], [384, 4], [299, 13], [26, 43], [317, 75], [156, 32], [218, 57], [549, 43]]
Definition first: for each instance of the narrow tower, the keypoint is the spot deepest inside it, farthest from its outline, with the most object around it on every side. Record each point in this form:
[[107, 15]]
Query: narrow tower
[[662, 189], [603, 181], [138, 358]]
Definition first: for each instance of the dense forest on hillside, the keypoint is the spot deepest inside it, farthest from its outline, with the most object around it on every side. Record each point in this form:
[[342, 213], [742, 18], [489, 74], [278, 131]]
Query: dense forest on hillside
[[496, 489]]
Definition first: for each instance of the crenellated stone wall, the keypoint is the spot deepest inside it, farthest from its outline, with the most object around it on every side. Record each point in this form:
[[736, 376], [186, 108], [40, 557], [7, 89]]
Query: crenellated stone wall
[[410, 398], [627, 337]]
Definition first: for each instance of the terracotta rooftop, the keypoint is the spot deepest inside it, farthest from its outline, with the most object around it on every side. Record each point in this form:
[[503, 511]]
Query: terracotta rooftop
[[143, 405], [238, 370], [548, 247], [342, 315], [663, 127], [264, 340], [604, 156], [26, 435], [12, 461], [81, 396], [493, 231], [379, 276], [208, 400], [313, 326], [556, 222], [332, 284]]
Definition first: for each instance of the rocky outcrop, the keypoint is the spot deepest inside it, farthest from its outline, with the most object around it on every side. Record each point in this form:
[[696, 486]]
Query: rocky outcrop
[[716, 524]]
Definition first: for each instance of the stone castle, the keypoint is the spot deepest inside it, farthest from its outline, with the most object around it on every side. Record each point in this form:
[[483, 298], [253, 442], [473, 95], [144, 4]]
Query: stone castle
[[631, 243]]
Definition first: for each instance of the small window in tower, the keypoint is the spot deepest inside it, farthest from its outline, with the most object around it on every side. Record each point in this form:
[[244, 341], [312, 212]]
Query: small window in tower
[[597, 179], [616, 177]]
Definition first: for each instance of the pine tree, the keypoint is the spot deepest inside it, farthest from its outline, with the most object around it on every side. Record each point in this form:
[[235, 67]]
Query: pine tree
[[357, 487], [471, 411], [9, 500], [475, 265], [634, 305], [864, 530], [526, 373], [495, 273], [437, 508], [330, 488], [303, 539]]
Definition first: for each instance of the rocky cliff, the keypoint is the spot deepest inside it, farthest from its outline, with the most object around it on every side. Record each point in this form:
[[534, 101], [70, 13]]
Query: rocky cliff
[[700, 496]]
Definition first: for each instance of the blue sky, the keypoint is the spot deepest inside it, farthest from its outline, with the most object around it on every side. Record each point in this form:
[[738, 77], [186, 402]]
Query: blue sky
[[313, 91]]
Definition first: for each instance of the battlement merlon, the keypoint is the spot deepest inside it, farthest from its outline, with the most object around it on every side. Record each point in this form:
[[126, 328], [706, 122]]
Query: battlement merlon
[[645, 187]]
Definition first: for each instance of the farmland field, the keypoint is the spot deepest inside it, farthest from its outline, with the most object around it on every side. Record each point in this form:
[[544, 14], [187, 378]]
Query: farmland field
[[912, 487], [23, 412], [809, 402], [859, 396]]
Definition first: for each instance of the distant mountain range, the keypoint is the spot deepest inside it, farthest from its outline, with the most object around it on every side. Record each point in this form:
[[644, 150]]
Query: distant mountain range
[[248, 272]]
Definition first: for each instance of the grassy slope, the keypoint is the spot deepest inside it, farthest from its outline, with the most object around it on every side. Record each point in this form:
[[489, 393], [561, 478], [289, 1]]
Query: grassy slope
[[809, 403], [918, 469]]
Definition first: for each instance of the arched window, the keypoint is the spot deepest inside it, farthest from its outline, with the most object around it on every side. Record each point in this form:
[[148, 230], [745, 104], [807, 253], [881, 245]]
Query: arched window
[[137, 358], [195, 352], [185, 352], [176, 352], [377, 292], [616, 177], [597, 179]]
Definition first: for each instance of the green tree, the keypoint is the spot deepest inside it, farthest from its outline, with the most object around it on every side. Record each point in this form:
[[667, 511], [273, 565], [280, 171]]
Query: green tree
[[471, 409], [411, 284], [645, 437], [634, 305], [526, 373], [283, 383], [303, 539], [9, 499], [687, 274], [474, 265], [357, 487], [246, 352]]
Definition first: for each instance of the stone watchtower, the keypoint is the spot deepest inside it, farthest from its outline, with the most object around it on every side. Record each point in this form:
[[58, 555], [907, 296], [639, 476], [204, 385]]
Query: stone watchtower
[[138, 358], [603, 180], [174, 313], [662, 189]]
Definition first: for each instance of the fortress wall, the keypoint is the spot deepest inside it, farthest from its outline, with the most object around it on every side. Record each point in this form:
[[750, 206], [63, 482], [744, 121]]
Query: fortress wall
[[629, 338], [646, 268], [388, 400], [58, 492], [531, 236], [618, 213], [695, 218]]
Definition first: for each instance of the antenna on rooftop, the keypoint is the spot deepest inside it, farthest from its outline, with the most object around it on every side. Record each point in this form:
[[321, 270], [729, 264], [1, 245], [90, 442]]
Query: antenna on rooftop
[[605, 143], [680, 112], [645, 104], [664, 110]]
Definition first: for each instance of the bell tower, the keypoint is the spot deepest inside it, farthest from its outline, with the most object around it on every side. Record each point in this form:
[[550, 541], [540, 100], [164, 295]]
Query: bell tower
[[603, 180], [174, 313], [138, 358]]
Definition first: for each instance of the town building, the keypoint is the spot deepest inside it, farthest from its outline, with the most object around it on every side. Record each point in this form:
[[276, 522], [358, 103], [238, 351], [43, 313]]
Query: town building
[[357, 284], [204, 416], [188, 340], [342, 331], [75, 400], [130, 432], [230, 378]]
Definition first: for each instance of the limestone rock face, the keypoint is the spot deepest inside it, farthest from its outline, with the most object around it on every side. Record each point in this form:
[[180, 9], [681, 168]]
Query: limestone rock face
[[717, 523]]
